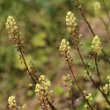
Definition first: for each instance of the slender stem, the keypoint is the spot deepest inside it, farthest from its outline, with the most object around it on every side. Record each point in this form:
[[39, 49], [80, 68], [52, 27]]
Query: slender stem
[[98, 73], [32, 77], [106, 26], [24, 61], [104, 95], [51, 105], [93, 33], [43, 101], [83, 15], [70, 91], [70, 67], [71, 100], [106, 10], [19, 48], [105, 57]]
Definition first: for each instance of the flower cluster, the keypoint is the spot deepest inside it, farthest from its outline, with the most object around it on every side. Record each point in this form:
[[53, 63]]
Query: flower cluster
[[33, 72], [13, 31], [71, 28], [12, 102], [97, 7], [106, 87], [24, 107], [67, 81], [84, 74], [71, 22], [108, 78], [42, 87], [64, 47], [18, 43], [96, 46], [89, 98], [11, 24]]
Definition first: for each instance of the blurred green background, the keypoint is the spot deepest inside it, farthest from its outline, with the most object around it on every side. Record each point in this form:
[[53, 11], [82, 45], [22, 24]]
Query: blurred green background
[[42, 26]]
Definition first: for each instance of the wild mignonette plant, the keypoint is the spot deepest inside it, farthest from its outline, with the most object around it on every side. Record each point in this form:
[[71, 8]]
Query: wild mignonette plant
[[97, 50], [97, 6], [12, 102], [43, 92], [18, 43], [43, 85], [65, 51]]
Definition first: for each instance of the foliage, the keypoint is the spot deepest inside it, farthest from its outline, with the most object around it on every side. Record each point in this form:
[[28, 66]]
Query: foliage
[[42, 26]]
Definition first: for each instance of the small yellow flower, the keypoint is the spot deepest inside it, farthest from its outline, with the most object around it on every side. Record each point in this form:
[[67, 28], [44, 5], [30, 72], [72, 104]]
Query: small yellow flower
[[67, 81], [71, 23], [11, 25], [42, 78], [106, 88], [108, 78], [96, 46], [64, 47], [12, 102], [42, 87], [97, 7], [30, 85], [12, 28], [89, 97]]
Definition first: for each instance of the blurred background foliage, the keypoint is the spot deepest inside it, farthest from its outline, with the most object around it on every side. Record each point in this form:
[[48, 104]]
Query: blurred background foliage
[[42, 26]]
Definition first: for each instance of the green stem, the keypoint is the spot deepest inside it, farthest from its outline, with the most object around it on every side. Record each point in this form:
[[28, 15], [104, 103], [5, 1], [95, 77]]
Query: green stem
[[70, 67], [103, 94], [85, 19], [98, 73], [106, 10], [24, 61]]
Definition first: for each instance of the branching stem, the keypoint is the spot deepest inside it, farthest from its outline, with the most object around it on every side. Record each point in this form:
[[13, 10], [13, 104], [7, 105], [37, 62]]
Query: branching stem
[[85, 19], [83, 62], [70, 68], [98, 73], [106, 10]]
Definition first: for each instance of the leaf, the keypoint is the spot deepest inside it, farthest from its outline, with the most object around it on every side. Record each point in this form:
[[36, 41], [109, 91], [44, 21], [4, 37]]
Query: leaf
[[39, 40], [58, 90]]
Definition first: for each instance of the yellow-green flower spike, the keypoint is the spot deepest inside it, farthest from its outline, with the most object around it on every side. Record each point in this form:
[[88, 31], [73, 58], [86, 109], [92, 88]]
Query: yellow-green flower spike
[[12, 102], [71, 23], [12, 28], [108, 78], [89, 98], [11, 25], [64, 47], [96, 46], [42, 87], [67, 81], [97, 7], [106, 88]]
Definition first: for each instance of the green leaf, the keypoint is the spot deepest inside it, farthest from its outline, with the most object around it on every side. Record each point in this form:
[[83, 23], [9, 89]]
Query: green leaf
[[39, 40], [58, 90]]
